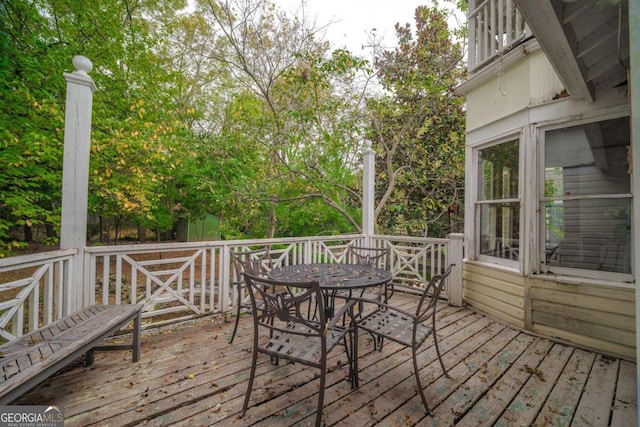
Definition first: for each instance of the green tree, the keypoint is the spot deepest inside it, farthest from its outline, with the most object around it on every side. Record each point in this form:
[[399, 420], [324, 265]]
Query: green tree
[[293, 109], [135, 109], [417, 127]]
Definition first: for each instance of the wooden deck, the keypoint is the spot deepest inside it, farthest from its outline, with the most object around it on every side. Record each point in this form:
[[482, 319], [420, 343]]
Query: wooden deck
[[191, 376]]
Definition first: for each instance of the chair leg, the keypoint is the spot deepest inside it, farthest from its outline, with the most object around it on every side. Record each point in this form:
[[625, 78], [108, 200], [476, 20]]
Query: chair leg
[[353, 364], [254, 362], [435, 340], [420, 390], [235, 327], [323, 378]]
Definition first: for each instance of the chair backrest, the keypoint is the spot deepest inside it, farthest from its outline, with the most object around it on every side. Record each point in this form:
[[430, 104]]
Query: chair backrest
[[374, 257], [287, 304], [427, 309], [257, 262]]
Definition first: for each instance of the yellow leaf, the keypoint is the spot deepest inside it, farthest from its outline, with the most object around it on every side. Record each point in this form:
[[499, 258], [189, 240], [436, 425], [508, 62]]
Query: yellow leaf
[[191, 376]]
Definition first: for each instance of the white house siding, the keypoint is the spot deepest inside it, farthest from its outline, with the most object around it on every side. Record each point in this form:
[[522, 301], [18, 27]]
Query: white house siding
[[498, 293], [594, 316], [599, 317], [508, 89]]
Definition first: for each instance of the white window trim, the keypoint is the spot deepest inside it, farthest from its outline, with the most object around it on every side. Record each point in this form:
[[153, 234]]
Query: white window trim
[[474, 248]]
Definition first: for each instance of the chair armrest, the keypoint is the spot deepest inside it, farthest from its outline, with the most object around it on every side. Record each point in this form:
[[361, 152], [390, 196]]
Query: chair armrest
[[381, 304], [343, 310]]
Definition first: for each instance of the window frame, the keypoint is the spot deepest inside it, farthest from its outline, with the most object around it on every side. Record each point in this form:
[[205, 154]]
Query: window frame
[[542, 199], [478, 204]]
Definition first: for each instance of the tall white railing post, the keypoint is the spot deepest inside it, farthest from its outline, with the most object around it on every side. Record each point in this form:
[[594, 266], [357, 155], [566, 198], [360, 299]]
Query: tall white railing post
[[368, 192], [455, 255], [75, 176]]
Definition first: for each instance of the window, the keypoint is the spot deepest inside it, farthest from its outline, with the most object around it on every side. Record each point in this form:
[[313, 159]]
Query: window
[[587, 198], [498, 204]]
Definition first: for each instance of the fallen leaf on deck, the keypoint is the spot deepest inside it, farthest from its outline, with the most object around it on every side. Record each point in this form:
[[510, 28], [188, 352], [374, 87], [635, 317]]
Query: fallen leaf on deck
[[535, 371]]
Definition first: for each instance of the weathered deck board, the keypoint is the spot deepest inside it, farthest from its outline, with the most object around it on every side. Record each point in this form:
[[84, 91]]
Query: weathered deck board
[[532, 396], [561, 404], [599, 388], [625, 411], [490, 407], [192, 376]]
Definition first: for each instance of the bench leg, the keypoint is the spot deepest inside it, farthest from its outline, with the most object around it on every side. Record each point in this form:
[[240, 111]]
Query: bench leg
[[134, 346], [137, 323], [88, 360]]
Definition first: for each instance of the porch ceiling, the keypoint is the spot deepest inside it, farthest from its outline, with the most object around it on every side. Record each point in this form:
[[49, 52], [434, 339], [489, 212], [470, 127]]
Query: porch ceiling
[[587, 41]]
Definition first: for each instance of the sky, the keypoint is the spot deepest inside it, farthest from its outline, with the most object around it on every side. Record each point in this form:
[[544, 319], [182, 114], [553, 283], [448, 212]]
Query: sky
[[353, 20]]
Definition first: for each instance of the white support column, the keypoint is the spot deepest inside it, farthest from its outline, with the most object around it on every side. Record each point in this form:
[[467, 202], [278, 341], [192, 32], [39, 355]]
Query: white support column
[[75, 175], [455, 256], [634, 84], [368, 192]]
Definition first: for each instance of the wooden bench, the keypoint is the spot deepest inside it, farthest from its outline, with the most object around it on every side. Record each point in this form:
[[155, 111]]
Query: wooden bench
[[30, 359]]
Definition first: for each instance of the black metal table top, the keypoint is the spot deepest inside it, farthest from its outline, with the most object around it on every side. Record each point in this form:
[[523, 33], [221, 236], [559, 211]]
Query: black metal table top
[[333, 276]]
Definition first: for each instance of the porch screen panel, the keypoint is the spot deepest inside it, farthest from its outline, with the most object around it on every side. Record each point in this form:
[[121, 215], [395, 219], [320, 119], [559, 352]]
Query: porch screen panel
[[498, 202], [587, 197]]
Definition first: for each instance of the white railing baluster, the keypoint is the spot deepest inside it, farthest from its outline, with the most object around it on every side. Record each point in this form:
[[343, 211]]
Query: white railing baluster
[[493, 33], [509, 18], [106, 265], [203, 283], [34, 306], [520, 28], [47, 294], [495, 26], [500, 29], [472, 22], [134, 284], [118, 288], [214, 255]]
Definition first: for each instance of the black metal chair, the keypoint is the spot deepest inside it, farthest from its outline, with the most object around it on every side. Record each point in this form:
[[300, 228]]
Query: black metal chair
[[408, 329], [256, 262], [374, 257], [284, 328]]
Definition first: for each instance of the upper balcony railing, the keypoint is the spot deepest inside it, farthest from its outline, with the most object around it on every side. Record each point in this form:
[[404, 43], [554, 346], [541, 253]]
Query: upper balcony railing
[[495, 27]]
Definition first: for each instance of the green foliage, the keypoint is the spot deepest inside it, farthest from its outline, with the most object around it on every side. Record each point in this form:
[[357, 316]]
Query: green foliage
[[418, 129], [233, 109]]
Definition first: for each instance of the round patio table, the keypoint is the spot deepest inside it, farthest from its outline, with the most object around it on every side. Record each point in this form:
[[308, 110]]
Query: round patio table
[[334, 279], [333, 276]]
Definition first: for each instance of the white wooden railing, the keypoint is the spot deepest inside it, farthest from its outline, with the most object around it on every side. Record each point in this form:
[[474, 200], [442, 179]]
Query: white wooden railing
[[33, 291], [495, 26], [180, 281]]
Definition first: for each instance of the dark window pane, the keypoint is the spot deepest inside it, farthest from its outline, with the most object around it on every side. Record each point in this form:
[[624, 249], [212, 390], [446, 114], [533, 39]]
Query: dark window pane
[[498, 172], [593, 234], [500, 230], [588, 159]]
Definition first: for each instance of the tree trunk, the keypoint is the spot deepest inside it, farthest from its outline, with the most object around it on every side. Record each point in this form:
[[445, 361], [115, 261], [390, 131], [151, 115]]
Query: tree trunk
[[273, 221], [28, 233]]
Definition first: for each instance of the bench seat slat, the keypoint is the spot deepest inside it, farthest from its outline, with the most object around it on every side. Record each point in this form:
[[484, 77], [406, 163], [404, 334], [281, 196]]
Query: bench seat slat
[[30, 359]]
